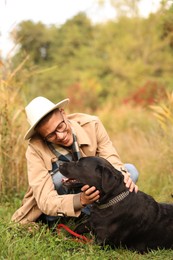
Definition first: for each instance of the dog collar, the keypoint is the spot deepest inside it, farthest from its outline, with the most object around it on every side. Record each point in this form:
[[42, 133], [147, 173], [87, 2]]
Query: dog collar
[[115, 200]]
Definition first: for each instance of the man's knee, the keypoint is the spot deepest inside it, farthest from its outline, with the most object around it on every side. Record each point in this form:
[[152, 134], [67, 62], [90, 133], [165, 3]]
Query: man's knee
[[134, 174]]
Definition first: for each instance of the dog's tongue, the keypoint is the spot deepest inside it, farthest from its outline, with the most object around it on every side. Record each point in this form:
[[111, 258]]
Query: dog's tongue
[[65, 179]]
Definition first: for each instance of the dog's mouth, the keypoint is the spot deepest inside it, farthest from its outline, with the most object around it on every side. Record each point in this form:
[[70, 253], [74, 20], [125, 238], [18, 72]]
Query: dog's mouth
[[72, 183]]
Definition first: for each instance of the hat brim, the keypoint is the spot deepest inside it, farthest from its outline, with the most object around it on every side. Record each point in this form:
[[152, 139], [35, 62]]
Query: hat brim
[[31, 130]]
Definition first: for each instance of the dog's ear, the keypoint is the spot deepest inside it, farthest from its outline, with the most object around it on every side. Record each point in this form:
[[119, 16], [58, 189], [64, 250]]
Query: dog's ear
[[111, 179]]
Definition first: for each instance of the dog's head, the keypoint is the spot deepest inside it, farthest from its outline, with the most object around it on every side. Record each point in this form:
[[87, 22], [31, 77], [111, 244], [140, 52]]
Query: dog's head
[[94, 171]]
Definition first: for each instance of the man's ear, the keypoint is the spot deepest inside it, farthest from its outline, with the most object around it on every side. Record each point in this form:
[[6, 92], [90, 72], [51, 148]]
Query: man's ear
[[62, 111], [110, 180]]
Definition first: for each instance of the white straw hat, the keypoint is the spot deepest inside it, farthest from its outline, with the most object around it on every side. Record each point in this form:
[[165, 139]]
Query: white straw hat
[[37, 109]]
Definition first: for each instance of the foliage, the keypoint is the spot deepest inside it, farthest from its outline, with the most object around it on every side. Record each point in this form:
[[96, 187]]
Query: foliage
[[147, 95], [119, 55], [167, 25], [164, 112], [90, 92], [27, 32]]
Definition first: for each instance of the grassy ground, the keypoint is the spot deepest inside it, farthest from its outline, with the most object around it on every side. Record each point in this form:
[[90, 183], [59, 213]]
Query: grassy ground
[[22, 242], [16, 242]]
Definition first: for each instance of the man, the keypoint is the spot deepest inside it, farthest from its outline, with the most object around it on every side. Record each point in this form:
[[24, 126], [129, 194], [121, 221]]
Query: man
[[55, 137]]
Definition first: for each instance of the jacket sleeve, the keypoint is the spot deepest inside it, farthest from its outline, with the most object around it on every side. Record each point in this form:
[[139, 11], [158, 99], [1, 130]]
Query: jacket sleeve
[[40, 181]]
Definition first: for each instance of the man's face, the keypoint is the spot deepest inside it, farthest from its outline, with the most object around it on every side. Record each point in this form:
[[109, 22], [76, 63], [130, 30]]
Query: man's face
[[57, 129]]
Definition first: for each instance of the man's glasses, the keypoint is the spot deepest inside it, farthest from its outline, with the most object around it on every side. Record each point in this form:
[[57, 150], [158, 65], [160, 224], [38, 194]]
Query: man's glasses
[[62, 127]]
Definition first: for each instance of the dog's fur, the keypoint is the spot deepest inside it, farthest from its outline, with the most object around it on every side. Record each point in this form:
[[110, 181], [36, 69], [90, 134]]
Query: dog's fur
[[137, 222]]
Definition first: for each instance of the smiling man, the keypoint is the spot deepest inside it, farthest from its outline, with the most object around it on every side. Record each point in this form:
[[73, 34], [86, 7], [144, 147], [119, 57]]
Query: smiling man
[[55, 137]]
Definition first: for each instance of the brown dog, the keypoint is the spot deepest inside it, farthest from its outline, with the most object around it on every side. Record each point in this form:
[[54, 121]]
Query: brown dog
[[122, 218]]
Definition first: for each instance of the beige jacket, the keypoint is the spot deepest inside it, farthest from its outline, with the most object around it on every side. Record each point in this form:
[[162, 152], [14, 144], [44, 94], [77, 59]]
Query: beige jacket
[[41, 196]]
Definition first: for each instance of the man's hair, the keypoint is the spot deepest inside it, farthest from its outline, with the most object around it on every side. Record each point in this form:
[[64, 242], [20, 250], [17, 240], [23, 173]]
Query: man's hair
[[46, 118]]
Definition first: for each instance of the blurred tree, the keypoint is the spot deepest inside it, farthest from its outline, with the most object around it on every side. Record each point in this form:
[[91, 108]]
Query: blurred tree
[[120, 55], [35, 39], [168, 25]]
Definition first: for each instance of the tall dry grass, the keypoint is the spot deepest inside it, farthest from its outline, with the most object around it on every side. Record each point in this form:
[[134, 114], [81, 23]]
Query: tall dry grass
[[140, 139], [12, 128]]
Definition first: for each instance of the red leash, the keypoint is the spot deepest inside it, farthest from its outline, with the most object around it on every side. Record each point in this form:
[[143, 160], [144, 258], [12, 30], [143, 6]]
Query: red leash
[[83, 238]]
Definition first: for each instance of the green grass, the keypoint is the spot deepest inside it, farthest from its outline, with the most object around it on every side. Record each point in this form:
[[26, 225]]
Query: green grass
[[17, 242]]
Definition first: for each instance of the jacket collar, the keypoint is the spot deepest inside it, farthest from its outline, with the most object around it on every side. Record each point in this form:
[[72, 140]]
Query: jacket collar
[[82, 137]]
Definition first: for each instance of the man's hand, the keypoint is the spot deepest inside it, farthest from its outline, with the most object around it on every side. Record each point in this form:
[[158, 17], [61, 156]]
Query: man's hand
[[89, 195], [129, 183]]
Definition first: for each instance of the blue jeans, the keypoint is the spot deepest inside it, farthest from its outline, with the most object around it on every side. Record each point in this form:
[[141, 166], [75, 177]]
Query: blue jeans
[[134, 174]]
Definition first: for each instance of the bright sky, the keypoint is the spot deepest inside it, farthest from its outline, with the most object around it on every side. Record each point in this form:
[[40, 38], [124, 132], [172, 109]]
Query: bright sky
[[55, 12]]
